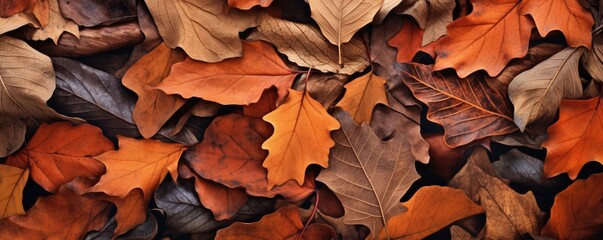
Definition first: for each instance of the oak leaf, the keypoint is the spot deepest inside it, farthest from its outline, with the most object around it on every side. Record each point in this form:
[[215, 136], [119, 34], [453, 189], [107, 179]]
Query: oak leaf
[[201, 28], [407, 40], [537, 93], [238, 81], [57, 24], [16, 21], [231, 154], [571, 139], [12, 182], [131, 211], [577, 212], [153, 107], [301, 137], [138, 164], [306, 46], [248, 4], [468, 109], [432, 16], [494, 33], [12, 135], [430, 209], [340, 20], [361, 96], [368, 175], [59, 152]]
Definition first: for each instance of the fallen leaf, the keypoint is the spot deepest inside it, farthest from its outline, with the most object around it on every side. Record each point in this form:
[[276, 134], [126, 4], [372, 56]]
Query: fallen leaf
[[65, 215], [153, 107], [324, 88], [12, 181], [444, 161], [12, 7], [567, 16], [407, 40], [570, 143], [238, 81], [432, 16], [361, 96], [307, 47], [430, 209], [16, 21], [248, 4], [186, 215], [96, 13], [494, 33], [300, 124], [201, 28], [368, 175], [509, 215], [266, 104], [145, 231], [537, 93], [468, 109], [38, 8], [285, 223], [59, 152], [577, 211], [232, 145], [57, 24], [137, 164], [340, 20], [131, 211], [527, 171], [591, 60], [223, 202], [383, 55], [12, 135]]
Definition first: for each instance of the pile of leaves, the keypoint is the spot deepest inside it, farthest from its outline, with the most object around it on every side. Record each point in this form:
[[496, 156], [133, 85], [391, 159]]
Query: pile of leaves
[[293, 119]]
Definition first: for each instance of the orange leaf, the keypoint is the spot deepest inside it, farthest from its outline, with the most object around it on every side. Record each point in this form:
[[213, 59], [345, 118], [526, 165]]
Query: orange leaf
[[231, 154], [138, 164], [573, 138], [494, 33], [238, 81], [153, 107], [60, 152], [248, 4], [39, 8], [429, 210], [12, 182], [578, 211], [64, 215], [408, 40], [131, 211], [361, 96], [301, 137], [567, 16]]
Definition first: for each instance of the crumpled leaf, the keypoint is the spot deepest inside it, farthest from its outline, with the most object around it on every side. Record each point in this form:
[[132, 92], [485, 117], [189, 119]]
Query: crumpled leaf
[[59, 153], [466, 116], [430, 209], [231, 154], [300, 124], [537, 93], [248, 4], [65, 215], [571, 139], [12, 135], [57, 24], [368, 175], [340, 20], [305, 45], [578, 211], [238, 81], [186, 215], [432, 16], [12, 183], [361, 96], [138, 163], [153, 107], [203, 29]]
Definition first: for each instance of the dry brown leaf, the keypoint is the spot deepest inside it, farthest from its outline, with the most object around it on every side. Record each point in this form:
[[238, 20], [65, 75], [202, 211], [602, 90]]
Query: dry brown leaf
[[361, 96], [432, 15], [248, 4], [203, 29], [325, 88], [38, 8], [153, 107], [16, 21], [301, 137], [12, 135], [592, 60], [12, 183], [386, 7], [57, 24]]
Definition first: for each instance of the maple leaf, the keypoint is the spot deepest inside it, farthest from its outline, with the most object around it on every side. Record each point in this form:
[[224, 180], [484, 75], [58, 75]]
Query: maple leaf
[[430, 209], [361, 96], [301, 137], [368, 175], [12, 181], [239, 81], [59, 152], [153, 107], [407, 40], [137, 164], [468, 109], [571, 139], [577, 211]]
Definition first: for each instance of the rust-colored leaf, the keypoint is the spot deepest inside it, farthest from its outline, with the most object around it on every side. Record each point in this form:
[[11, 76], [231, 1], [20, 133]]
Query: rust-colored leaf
[[59, 152], [407, 40], [238, 81], [361, 96], [39, 8], [301, 137], [573, 139], [12, 182]]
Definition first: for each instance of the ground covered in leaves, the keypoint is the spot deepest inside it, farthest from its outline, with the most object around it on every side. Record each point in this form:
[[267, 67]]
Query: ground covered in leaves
[[293, 119]]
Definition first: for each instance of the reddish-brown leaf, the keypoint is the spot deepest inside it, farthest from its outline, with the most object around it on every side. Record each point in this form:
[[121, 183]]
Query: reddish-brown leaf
[[408, 40], [60, 152]]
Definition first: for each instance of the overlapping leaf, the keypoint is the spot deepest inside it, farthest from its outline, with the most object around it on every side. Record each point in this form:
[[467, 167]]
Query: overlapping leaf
[[361, 96], [12, 182]]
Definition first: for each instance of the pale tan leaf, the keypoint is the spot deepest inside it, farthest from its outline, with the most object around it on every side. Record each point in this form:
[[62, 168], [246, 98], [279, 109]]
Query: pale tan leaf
[[593, 59], [16, 21], [432, 16], [12, 135], [386, 7], [56, 26]]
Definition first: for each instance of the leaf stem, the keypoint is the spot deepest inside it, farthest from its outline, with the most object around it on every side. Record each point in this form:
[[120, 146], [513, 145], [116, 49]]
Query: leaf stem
[[311, 216]]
